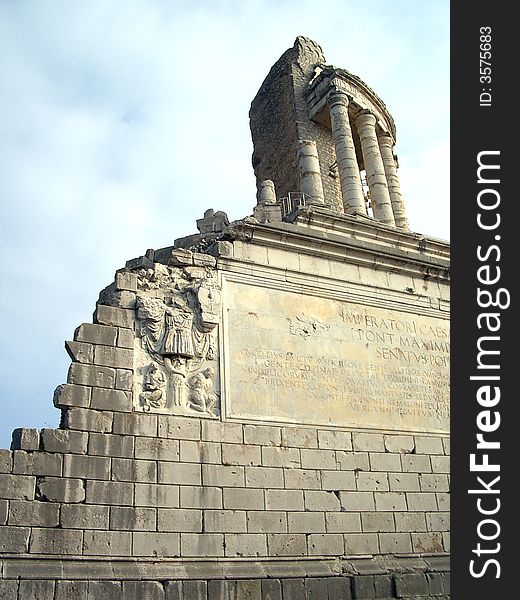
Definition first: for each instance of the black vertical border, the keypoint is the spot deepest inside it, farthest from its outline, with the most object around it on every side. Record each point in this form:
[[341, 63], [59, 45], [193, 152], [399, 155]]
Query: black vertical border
[[476, 128]]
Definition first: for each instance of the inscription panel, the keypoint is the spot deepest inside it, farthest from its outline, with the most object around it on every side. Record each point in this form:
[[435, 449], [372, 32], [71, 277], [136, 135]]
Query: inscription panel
[[294, 358]]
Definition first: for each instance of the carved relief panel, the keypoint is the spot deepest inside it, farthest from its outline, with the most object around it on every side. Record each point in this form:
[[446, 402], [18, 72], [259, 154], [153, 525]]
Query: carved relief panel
[[176, 348]]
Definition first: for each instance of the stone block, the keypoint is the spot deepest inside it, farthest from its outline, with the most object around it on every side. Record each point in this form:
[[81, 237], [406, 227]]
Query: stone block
[[438, 583], [338, 588], [80, 352], [303, 522], [91, 375], [421, 501], [36, 463], [316, 588], [71, 590], [223, 476], [4, 509], [55, 541], [116, 317], [437, 521], [428, 445], [83, 516], [263, 435], [112, 356], [317, 500], [225, 521], [264, 477], [377, 522], [6, 461], [156, 449], [125, 338], [135, 424], [302, 479], [284, 500], [356, 501], [325, 544], [200, 497], [416, 463], [105, 444], [64, 441], [271, 589], [105, 590], [192, 590], [14, 540], [217, 431], [411, 584], [179, 428], [267, 522], [299, 437], [334, 440], [400, 444], [239, 454], [359, 544], [83, 419], [156, 544], [338, 480], [287, 544], [17, 487], [431, 482], [407, 521], [293, 589], [86, 467], [36, 589], [245, 544], [143, 590], [368, 442], [384, 461], [243, 499], [443, 501], [159, 496], [390, 501], [318, 459], [403, 482], [395, 543], [427, 542], [202, 544], [124, 379], [68, 394], [183, 520], [114, 400], [446, 445], [34, 514], [25, 439], [96, 334], [440, 464], [128, 518], [9, 589], [200, 452], [114, 493], [342, 522], [107, 543], [353, 461], [363, 586], [60, 489], [384, 586], [138, 471], [274, 456], [372, 482]]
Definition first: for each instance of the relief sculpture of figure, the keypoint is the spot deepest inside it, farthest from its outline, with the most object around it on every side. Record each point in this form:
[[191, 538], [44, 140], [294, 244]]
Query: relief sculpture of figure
[[178, 337], [153, 395], [150, 312], [177, 368], [202, 398]]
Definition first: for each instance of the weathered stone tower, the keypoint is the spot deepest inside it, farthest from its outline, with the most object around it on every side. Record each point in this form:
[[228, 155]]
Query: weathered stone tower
[[260, 411]]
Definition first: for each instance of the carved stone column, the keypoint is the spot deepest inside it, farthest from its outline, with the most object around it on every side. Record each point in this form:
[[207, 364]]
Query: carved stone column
[[376, 177], [266, 193], [310, 173], [351, 189], [386, 145]]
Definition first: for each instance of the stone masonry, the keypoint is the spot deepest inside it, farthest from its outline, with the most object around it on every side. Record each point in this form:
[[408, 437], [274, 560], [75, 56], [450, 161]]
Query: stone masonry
[[162, 484]]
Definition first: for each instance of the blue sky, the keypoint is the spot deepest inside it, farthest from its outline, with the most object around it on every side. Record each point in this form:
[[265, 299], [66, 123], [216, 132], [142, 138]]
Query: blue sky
[[122, 121]]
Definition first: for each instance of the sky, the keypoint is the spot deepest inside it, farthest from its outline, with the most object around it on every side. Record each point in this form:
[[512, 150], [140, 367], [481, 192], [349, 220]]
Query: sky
[[122, 121]]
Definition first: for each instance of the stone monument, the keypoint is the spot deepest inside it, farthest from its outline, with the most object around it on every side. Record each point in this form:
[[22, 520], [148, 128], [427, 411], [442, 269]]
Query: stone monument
[[261, 410]]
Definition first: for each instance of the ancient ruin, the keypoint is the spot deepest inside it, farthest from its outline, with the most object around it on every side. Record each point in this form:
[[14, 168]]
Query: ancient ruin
[[261, 410]]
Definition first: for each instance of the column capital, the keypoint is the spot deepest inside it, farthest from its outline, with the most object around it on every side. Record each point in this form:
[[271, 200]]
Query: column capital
[[365, 117], [337, 96], [386, 138]]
